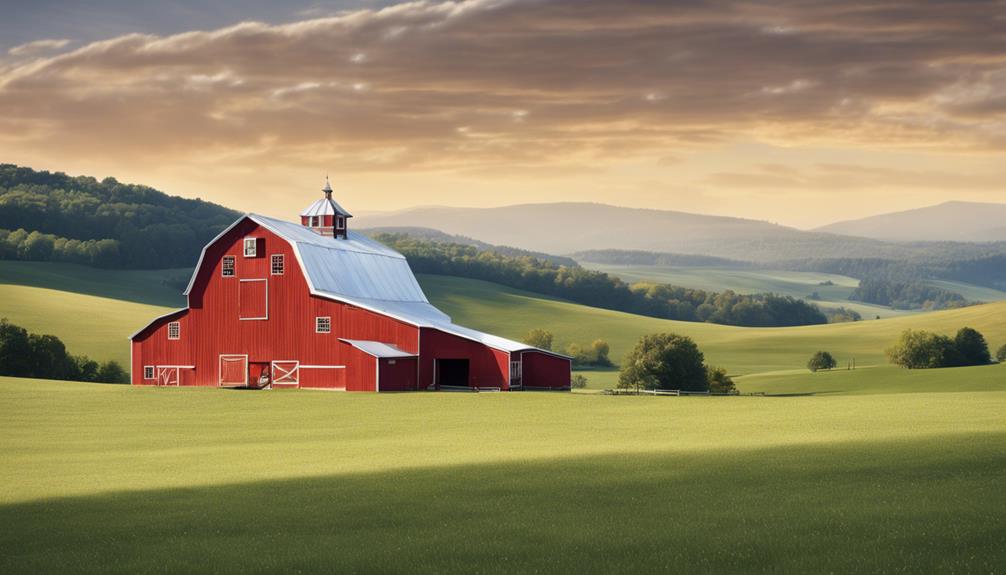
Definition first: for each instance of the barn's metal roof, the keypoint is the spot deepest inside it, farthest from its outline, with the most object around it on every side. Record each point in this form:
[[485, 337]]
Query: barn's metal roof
[[354, 267], [365, 273], [377, 348]]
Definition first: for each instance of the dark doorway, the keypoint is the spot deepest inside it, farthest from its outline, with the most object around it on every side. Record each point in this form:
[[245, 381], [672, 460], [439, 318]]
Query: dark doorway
[[452, 372]]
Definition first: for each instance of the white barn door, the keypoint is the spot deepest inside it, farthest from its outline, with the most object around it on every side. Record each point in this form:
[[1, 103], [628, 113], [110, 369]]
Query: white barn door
[[167, 375], [286, 372]]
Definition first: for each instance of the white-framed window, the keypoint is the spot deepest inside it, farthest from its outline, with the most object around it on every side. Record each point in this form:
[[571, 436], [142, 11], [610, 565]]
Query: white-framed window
[[251, 247], [148, 372], [515, 370], [340, 223], [174, 330], [227, 267], [322, 324], [315, 221], [276, 264]]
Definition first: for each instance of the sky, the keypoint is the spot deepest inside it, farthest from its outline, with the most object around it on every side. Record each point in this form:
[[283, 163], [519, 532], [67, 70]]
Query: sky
[[796, 112]]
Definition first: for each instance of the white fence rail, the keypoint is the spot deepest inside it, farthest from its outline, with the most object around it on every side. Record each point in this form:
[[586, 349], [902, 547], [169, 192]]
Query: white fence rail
[[673, 392]]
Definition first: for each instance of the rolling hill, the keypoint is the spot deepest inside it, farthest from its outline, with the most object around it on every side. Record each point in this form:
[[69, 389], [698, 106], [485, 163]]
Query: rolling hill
[[949, 221], [511, 313], [563, 228]]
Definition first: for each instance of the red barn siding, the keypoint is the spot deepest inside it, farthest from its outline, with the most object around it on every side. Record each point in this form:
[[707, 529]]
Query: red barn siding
[[487, 367], [213, 326], [542, 370], [398, 374]]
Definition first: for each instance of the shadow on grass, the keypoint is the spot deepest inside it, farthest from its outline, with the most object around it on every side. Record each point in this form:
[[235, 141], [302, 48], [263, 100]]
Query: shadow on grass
[[901, 506]]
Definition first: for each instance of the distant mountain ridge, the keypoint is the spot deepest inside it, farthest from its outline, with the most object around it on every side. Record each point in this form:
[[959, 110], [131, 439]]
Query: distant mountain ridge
[[569, 227], [949, 221]]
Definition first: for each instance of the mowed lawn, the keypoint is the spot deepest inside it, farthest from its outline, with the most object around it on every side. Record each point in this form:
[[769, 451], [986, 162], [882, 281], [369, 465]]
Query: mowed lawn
[[100, 478]]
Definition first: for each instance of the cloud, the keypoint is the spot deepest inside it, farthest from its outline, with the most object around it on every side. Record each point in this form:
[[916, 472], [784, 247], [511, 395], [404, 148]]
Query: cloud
[[532, 83], [37, 47]]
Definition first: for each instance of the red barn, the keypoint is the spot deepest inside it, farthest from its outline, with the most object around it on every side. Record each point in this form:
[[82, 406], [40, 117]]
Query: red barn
[[316, 305]]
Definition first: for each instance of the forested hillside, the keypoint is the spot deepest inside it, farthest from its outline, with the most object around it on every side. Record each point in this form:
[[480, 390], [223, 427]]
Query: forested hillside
[[55, 217], [978, 264], [598, 289]]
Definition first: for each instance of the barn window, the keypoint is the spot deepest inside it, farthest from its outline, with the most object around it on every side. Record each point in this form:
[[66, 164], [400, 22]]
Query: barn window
[[251, 247], [322, 325], [515, 370], [227, 269], [148, 372], [315, 221], [340, 223], [174, 330], [277, 264]]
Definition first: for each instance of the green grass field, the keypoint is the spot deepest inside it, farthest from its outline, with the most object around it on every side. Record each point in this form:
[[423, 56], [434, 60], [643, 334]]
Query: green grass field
[[114, 479]]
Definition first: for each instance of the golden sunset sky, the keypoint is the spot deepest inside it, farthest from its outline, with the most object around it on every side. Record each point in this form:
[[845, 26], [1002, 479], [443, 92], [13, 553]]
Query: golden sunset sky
[[800, 113]]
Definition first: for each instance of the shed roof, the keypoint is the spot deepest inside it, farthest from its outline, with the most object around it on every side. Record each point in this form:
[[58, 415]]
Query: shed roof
[[377, 348]]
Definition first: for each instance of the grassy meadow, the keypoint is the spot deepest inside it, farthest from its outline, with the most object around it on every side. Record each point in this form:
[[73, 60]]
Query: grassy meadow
[[113, 479]]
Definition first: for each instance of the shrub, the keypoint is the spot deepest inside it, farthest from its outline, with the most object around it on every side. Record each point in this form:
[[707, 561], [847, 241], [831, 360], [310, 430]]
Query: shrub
[[719, 381], [578, 381], [594, 355], [972, 349], [821, 360], [922, 349], [539, 338], [664, 361], [1001, 354]]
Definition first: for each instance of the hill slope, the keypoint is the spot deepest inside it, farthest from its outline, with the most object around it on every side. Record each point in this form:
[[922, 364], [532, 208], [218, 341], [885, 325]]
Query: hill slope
[[950, 221], [104, 223], [563, 228]]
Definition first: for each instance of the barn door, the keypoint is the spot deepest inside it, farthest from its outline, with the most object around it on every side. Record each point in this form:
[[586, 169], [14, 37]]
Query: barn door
[[233, 370], [253, 299], [286, 373], [167, 376]]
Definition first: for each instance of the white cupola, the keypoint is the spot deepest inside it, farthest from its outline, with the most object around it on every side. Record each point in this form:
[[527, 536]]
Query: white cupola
[[325, 216]]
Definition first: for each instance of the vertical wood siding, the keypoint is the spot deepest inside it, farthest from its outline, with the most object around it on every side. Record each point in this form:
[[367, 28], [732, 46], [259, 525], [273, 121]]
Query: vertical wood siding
[[487, 367], [212, 326], [544, 371]]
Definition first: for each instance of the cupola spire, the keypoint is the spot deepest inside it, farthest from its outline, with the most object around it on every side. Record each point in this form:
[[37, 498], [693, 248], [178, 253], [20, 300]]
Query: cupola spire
[[327, 189]]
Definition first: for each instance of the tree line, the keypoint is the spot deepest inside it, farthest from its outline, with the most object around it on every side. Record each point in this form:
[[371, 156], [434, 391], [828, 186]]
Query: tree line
[[906, 294], [54, 217], [598, 289], [24, 354]]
